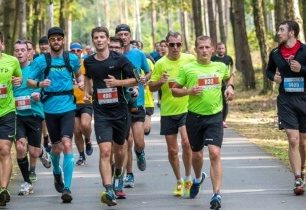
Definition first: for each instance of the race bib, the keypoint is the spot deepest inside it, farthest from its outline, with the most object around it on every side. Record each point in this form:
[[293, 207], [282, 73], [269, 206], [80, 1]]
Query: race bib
[[107, 95], [23, 102], [3, 91], [295, 84], [211, 81]]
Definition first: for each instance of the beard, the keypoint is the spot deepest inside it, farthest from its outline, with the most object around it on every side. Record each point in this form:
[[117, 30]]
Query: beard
[[56, 48]]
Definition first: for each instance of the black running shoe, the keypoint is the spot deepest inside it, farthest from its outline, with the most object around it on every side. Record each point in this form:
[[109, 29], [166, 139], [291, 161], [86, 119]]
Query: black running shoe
[[66, 196], [58, 182], [89, 148]]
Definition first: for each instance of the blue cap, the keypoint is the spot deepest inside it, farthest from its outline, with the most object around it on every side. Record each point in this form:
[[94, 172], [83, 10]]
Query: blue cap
[[76, 45]]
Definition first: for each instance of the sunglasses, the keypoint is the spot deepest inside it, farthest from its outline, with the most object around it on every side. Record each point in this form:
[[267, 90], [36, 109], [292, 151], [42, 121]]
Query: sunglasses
[[179, 44], [75, 50], [53, 39]]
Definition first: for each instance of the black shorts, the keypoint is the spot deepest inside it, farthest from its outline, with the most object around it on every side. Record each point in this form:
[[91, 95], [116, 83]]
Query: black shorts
[[169, 124], [108, 130], [292, 112], [139, 115], [8, 126], [149, 111], [60, 125], [83, 108], [203, 130], [29, 127]]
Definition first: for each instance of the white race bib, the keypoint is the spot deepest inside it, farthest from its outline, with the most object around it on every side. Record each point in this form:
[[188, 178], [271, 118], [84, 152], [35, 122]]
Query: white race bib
[[23, 102], [3, 91], [107, 95]]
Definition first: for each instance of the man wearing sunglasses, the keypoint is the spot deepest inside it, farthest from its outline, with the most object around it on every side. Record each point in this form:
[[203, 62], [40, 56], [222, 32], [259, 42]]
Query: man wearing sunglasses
[[83, 113], [173, 110], [59, 106]]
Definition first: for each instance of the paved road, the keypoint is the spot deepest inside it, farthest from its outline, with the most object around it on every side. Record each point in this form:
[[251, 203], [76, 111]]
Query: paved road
[[253, 179]]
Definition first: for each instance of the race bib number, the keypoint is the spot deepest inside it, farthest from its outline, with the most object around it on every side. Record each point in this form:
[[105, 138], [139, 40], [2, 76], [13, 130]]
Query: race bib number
[[107, 95], [211, 81], [295, 84], [3, 91], [23, 102]]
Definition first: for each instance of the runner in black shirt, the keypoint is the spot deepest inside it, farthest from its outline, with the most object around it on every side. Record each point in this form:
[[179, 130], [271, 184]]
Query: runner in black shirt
[[108, 73]]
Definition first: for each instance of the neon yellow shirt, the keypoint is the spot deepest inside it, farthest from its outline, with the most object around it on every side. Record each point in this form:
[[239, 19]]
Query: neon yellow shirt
[[9, 67], [149, 101], [208, 76], [171, 105]]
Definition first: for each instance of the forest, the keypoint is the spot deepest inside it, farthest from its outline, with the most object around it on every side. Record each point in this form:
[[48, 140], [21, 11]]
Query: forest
[[248, 27]]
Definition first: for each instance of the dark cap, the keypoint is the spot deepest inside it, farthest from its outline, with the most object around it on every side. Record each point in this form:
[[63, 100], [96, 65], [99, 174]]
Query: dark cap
[[43, 40], [122, 27], [55, 30]]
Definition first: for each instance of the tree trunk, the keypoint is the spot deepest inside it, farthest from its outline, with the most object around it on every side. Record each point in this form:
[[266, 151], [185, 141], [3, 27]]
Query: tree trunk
[[261, 36], [304, 16], [197, 17], [298, 19], [62, 14], [153, 21], [212, 20], [205, 17], [36, 22], [279, 6], [22, 19], [184, 28], [138, 23], [242, 49], [289, 11], [8, 25], [221, 21]]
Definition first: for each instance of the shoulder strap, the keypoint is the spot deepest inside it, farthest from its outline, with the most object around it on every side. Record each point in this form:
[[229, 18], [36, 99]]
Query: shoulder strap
[[67, 61], [48, 62]]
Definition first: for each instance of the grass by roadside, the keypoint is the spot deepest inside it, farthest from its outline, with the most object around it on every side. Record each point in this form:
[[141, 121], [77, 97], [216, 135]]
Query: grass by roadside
[[255, 117]]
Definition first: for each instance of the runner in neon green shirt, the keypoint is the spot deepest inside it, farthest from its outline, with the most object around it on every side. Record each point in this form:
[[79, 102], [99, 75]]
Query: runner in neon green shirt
[[10, 74], [173, 110], [203, 81]]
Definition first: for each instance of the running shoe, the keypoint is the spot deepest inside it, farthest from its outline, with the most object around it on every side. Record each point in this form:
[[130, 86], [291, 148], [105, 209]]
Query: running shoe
[[129, 181], [299, 186], [141, 160], [81, 161], [45, 159], [89, 148], [187, 187], [58, 182], [179, 189], [5, 196], [215, 202], [195, 187], [109, 198], [118, 186], [26, 189], [47, 145], [33, 176], [66, 196]]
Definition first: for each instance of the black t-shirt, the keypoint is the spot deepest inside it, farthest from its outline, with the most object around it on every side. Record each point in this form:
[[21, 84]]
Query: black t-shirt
[[226, 59], [109, 102]]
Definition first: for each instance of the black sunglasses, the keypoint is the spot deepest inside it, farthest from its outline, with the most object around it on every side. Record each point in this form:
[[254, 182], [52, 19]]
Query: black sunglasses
[[178, 44], [76, 50]]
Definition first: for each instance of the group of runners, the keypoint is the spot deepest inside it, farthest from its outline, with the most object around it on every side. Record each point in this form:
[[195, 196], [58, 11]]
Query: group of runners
[[115, 85]]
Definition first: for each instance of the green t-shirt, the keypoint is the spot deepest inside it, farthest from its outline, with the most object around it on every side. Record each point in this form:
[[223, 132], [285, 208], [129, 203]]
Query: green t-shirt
[[9, 67], [208, 76], [171, 105]]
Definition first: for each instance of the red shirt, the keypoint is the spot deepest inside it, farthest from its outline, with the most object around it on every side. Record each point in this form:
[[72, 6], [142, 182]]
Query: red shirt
[[289, 53]]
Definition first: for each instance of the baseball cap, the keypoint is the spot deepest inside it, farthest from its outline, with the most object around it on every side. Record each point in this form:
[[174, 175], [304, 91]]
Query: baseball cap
[[55, 30], [122, 27], [76, 45], [43, 40]]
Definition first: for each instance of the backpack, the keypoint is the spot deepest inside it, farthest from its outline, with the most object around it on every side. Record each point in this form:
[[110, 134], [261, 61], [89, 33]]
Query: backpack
[[46, 95]]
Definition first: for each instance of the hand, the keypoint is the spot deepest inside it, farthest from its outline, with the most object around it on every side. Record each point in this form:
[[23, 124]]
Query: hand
[[81, 85], [35, 96], [229, 93], [164, 77], [295, 66], [111, 82], [87, 98], [45, 83], [143, 79], [195, 91], [16, 81], [277, 77]]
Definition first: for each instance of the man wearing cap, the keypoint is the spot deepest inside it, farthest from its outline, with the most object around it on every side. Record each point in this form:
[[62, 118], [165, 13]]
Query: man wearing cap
[[59, 105], [83, 113], [43, 46], [138, 59]]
